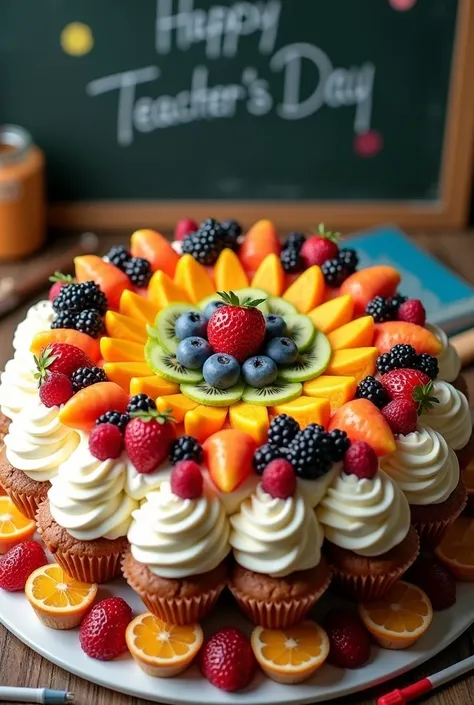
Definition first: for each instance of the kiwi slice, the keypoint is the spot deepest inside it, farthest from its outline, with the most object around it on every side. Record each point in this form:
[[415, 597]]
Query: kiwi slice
[[251, 294], [204, 394], [301, 329], [280, 307], [165, 323], [309, 364], [164, 364], [276, 393]]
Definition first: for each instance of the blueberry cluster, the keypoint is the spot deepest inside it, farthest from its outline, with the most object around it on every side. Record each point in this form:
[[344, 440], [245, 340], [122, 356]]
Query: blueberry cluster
[[405, 356], [206, 244], [385, 309], [290, 256], [137, 269], [80, 307]]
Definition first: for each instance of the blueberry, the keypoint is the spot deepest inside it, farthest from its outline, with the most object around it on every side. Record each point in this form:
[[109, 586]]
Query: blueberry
[[283, 351], [211, 308], [259, 371], [190, 324], [193, 352], [221, 371], [275, 326]]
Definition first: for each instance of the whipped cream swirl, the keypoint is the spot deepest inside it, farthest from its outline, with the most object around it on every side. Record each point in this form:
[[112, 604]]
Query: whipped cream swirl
[[314, 490], [451, 416], [38, 318], [139, 484], [448, 359]]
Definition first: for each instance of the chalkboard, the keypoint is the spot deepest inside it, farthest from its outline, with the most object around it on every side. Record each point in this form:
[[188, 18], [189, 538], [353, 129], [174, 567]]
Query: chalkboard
[[304, 104]]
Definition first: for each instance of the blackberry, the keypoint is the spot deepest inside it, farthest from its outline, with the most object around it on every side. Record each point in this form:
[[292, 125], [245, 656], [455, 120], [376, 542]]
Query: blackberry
[[283, 429], [335, 272], [310, 454], [373, 390], [291, 261], [349, 258], [80, 297], [380, 309], [264, 455], [206, 244], [138, 270], [64, 319], [114, 417], [399, 356], [185, 448], [140, 402], [87, 376], [427, 364], [396, 301], [118, 256], [232, 231], [294, 240], [339, 444], [90, 322]]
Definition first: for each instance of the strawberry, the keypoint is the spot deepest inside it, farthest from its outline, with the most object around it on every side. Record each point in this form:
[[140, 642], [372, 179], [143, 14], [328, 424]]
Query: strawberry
[[227, 660], [401, 415], [412, 311], [237, 329], [59, 281], [18, 563], [184, 227], [411, 385], [349, 644], [435, 580], [148, 438], [55, 390], [105, 441], [102, 631], [361, 460], [186, 480], [319, 248], [279, 479], [61, 357]]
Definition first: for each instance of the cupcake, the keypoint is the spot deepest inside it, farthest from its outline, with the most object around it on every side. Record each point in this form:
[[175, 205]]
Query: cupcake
[[449, 361], [426, 470], [87, 514], [36, 444], [366, 521]]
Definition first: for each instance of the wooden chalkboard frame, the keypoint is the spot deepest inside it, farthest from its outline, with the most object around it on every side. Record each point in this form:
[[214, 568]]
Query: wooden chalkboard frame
[[451, 210]]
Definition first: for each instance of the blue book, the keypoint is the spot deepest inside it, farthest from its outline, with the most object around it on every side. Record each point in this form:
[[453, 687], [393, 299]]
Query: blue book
[[448, 299]]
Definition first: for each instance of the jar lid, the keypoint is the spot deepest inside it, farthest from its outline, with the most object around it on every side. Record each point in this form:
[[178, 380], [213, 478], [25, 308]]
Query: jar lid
[[15, 142]]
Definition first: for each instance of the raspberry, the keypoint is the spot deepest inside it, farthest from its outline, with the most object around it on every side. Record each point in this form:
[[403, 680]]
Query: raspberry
[[140, 402], [380, 309], [105, 441], [435, 580], [398, 357], [279, 479], [186, 480], [412, 311], [401, 415], [283, 429], [227, 660], [349, 644], [184, 227], [185, 448], [264, 455], [114, 417], [59, 281], [55, 390], [86, 376], [102, 631], [361, 460], [373, 390], [18, 563]]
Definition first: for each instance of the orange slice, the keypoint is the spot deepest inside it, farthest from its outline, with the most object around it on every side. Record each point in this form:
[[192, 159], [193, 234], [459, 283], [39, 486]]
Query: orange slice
[[58, 600], [332, 314], [163, 291], [400, 618], [229, 273], [193, 278], [355, 334], [290, 655], [270, 276], [160, 649], [307, 291], [456, 549], [14, 527]]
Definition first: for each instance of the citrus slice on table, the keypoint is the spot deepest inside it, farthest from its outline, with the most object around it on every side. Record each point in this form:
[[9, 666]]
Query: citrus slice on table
[[290, 655], [14, 527], [59, 601], [161, 649], [456, 549], [400, 618]]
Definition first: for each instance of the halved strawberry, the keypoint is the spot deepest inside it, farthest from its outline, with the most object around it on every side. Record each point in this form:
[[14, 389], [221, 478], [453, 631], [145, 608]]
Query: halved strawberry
[[412, 385]]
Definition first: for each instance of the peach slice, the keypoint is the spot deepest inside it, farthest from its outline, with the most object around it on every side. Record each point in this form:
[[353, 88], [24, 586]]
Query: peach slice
[[228, 455], [333, 314], [251, 419], [270, 276], [193, 278], [124, 327], [337, 390], [154, 247], [178, 404], [261, 240], [118, 350], [163, 291], [394, 332], [122, 372], [305, 410], [109, 278], [362, 421], [229, 274], [355, 334], [153, 386], [138, 307], [66, 335], [355, 362], [89, 403], [202, 421], [307, 291], [368, 283]]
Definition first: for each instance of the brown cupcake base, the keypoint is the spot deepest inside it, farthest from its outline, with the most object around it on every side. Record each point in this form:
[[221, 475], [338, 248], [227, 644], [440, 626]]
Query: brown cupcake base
[[25, 493], [461, 384], [432, 520], [466, 454]]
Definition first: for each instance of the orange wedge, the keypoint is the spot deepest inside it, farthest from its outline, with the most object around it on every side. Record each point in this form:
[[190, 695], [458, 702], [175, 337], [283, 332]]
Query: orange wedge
[[290, 655], [160, 649], [14, 527], [400, 618], [456, 549], [58, 600]]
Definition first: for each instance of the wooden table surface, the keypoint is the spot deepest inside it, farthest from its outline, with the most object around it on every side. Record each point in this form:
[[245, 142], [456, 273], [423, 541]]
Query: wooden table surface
[[22, 667]]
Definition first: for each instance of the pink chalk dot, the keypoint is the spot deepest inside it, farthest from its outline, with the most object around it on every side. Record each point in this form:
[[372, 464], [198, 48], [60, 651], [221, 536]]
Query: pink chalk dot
[[368, 144], [402, 5]]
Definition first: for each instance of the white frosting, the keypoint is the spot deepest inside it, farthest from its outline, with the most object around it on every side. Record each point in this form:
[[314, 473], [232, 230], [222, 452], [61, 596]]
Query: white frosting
[[232, 501], [37, 441], [38, 318], [448, 359], [87, 496], [424, 467], [276, 536], [139, 484], [368, 517], [314, 490], [451, 416], [177, 538]]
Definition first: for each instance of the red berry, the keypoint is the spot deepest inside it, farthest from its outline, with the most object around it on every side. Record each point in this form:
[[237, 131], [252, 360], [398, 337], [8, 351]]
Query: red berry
[[401, 415], [148, 438], [186, 480], [59, 281], [435, 580], [18, 563], [349, 644], [102, 631], [227, 660], [400, 384], [236, 330], [318, 249], [56, 389], [412, 311], [184, 227], [61, 357], [105, 441], [279, 479], [361, 460]]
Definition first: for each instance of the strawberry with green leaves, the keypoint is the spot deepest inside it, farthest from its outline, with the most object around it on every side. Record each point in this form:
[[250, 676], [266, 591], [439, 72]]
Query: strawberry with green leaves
[[60, 357], [59, 280], [238, 328], [411, 385], [148, 437]]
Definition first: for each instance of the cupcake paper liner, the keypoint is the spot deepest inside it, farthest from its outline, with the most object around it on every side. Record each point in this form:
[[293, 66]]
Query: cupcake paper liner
[[181, 610], [89, 569], [26, 504], [431, 531]]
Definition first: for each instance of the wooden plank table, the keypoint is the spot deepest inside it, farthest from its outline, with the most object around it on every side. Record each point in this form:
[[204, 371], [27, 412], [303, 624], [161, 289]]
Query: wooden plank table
[[22, 667]]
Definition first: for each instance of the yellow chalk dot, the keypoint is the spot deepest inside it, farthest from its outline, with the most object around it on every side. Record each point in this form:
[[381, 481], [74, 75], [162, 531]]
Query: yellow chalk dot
[[77, 39]]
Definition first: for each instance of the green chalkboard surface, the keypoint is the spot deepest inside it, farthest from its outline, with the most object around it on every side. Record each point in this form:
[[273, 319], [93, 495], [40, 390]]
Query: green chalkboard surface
[[217, 99]]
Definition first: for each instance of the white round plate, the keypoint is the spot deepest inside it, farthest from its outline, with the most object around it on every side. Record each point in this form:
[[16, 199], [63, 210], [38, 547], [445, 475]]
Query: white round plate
[[123, 674]]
